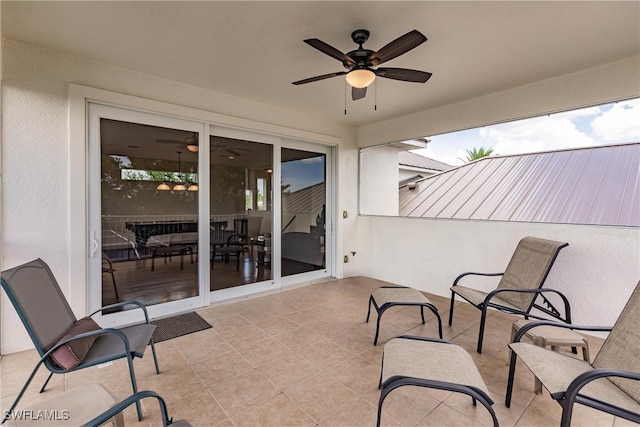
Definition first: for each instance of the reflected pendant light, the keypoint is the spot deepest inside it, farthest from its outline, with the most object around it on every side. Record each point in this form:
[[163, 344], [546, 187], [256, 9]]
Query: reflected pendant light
[[179, 186]]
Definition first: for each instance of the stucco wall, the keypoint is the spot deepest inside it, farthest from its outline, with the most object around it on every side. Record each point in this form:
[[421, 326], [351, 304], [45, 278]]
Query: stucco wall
[[597, 271], [36, 151]]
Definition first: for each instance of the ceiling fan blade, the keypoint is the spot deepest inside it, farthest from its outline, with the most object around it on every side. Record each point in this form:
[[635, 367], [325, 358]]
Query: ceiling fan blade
[[317, 78], [403, 74], [233, 152], [331, 51], [399, 46], [358, 93], [169, 141]]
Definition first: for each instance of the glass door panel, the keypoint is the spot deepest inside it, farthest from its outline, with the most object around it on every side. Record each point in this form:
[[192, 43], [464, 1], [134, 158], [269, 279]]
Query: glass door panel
[[149, 212], [241, 212], [304, 203]]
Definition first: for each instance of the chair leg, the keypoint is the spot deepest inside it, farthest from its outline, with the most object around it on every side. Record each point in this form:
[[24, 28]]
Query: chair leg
[[453, 298], [46, 382], [369, 310], [567, 412], [512, 373], [483, 319], [155, 356], [134, 385]]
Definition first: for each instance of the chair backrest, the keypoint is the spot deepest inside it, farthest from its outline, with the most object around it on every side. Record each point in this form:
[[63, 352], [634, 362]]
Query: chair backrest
[[255, 223], [41, 305], [528, 269], [620, 349]]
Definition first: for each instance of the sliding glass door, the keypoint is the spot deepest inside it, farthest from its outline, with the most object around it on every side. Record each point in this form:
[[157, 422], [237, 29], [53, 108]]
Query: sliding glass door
[[144, 209], [304, 202], [184, 213]]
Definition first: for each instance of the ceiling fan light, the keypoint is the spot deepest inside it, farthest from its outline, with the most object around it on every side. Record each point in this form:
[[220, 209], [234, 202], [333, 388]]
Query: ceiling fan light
[[193, 187], [179, 187], [192, 147], [360, 78], [163, 187]]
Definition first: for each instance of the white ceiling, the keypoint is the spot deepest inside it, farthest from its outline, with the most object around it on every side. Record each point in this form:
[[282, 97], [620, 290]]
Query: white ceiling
[[254, 50]]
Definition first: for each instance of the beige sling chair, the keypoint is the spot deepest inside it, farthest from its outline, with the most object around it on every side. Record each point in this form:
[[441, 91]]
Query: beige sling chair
[[610, 384]]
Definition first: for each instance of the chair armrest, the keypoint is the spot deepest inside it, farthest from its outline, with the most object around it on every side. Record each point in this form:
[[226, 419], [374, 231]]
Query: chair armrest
[[123, 303], [565, 300], [585, 378], [455, 282], [523, 330], [121, 406]]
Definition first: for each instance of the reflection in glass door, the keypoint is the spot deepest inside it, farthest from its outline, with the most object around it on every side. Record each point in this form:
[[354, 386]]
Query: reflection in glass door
[[241, 200], [304, 207], [148, 213]]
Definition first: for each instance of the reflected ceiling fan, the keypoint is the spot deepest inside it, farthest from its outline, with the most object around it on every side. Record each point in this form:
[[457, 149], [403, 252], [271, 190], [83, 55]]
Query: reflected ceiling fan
[[230, 152], [362, 64], [190, 142]]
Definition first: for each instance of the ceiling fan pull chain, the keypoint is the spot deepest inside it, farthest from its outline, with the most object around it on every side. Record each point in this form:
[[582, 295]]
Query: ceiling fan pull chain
[[345, 97], [375, 96]]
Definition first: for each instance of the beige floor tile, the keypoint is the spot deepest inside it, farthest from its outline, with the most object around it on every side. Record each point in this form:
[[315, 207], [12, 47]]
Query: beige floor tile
[[357, 374], [277, 411], [356, 414], [444, 415], [242, 336], [243, 391], [299, 337], [289, 370], [260, 352], [321, 396], [324, 354], [221, 367]]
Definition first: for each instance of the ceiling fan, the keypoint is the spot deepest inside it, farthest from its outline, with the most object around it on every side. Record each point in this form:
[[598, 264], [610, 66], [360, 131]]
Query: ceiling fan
[[362, 64]]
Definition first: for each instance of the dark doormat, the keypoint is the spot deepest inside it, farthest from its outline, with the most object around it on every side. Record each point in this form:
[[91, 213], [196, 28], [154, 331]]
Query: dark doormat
[[177, 326]]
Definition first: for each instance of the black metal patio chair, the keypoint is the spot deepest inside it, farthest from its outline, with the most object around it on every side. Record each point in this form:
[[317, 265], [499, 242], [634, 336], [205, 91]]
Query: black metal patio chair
[[64, 343]]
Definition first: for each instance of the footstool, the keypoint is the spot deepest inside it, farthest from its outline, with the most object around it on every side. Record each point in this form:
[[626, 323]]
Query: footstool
[[386, 297], [71, 408], [555, 338]]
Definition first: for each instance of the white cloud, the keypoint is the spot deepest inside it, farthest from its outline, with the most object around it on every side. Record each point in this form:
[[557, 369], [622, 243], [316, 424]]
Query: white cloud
[[621, 123], [533, 135]]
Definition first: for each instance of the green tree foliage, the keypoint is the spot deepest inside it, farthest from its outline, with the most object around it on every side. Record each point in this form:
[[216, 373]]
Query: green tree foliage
[[477, 153]]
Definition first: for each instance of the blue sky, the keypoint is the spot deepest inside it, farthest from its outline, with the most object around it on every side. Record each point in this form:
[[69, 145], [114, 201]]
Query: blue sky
[[600, 125]]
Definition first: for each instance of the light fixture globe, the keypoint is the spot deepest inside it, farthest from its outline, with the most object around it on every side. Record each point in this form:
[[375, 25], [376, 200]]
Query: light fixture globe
[[163, 187], [193, 187], [192, 147], [360, 78], [179, 187]]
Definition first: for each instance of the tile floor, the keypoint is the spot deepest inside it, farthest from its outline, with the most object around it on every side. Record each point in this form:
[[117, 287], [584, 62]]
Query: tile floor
[[305, 357]]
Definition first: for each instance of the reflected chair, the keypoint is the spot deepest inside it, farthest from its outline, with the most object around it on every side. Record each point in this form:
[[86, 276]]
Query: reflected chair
[[519, 287], [233, 247], [610, 384], [107, 268], [59, 336], [431, 363]]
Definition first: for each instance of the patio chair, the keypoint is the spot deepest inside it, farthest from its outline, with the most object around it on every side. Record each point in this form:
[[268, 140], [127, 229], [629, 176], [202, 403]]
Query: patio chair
[[610, 384], [65, 343], [520, 286], [432, 363], [135, 398]]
